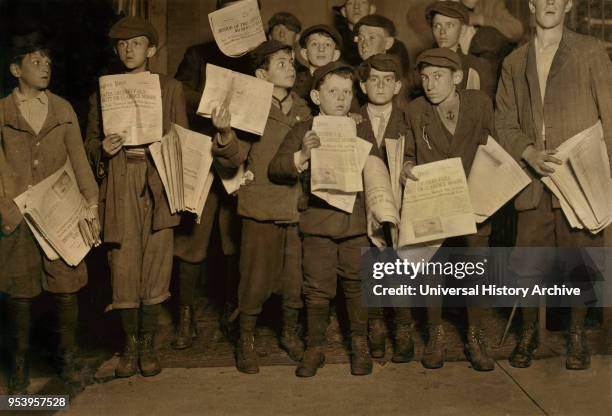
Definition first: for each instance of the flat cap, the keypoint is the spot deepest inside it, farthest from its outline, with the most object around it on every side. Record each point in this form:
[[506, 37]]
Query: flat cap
[[375, 20], [448, 8], [321, 29], [442, 57], [380, 62], [258, 55], [130, 27], [287, 19], [335, 66]]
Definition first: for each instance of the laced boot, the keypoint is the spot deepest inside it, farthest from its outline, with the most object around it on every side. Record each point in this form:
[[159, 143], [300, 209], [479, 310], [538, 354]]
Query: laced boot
[[361, 362], [578, 356], [187, 329], [149, 363], [435, 350], [246, 356], [128, 362], [313, 356], [527, 343], [404, 344], [290, 341], [377, 336], [476, 351]]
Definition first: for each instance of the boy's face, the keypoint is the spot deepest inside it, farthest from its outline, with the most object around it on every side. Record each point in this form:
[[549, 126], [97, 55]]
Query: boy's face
[[446, 30], [334, 96], [549, 13], [34, 71], [439, 83], [354, 10], [283, 34], [320, 50], [281, 70], [134, 52], [381, 87], [373, 40]]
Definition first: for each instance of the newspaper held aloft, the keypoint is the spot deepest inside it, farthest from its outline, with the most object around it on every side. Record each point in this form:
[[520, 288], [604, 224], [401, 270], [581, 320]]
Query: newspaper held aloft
[[492, 161], [132, 107], [249, 98], [582, 183], [183, 160], [438, 205], [237, 28], [59, 218]]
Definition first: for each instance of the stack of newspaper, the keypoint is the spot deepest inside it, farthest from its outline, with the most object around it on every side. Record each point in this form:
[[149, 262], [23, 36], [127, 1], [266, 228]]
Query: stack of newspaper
[[582, 184], [59, 218], [183, 159], [132, 107]]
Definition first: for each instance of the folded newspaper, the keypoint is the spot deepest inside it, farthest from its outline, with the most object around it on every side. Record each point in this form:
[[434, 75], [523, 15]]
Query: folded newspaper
[[183, 159], [58, 216]]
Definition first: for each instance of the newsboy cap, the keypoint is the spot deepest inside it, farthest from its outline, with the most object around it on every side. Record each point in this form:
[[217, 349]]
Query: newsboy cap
[[130, 27], [321, 29], [448, 8], [287, 19], [335, 66], [380, 62], [442, 57], [258, 55], [375, 20]]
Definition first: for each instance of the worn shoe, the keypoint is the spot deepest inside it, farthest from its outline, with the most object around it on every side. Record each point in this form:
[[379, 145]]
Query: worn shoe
[[377, 337], [246, 356], [312, 361], [435, 350], [578, 356], [186, 329], [128, 362], [19, 378], [70, 365], [476, 351], [522, 354], [361, 362], [404, 345], [149, 363], [291, 342]]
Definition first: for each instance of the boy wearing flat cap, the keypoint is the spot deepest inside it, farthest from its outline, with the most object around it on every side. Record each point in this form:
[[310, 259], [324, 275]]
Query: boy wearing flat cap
[[448, 21], [449, 122], [346, 17], [285, 28], [380, 81], [320, 45], [271, 249], [333, 239], [136, 218], [38, 132]]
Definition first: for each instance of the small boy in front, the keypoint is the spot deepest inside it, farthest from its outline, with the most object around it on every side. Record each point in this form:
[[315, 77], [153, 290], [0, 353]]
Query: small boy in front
[[333, 239], [271, 249]]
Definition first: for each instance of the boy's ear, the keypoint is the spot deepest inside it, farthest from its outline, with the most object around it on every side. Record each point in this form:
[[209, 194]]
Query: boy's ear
[[314, 96], [372, 8], [462, 31], [151, 51], [398, 87], [362, 85], [304, 54], [343, 11], [261, 74], [15, 70], [457, 77], [336, 55], [389, 40]]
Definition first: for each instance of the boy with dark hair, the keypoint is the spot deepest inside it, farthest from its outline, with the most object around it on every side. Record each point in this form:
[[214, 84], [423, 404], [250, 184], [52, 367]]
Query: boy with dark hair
[[137, 223], [380, 80], [321, 44], [271, 249], [346, 17], [38, 132], [333, 239], [285, 28], [449, 122]]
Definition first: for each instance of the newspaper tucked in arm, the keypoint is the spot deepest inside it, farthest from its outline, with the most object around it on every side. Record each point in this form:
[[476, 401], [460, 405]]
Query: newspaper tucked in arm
[[492, 161], [438, 205], [132, 107], [249, 98], [380, 201], [237, 28], [395, 160]]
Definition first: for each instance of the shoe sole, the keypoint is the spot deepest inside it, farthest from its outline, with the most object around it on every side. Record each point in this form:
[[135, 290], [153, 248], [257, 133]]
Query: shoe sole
[[321, 365], [151, 374]]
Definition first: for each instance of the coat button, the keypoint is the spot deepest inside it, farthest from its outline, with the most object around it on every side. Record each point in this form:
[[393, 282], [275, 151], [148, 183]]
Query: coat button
[[37, 143], [36, 162]]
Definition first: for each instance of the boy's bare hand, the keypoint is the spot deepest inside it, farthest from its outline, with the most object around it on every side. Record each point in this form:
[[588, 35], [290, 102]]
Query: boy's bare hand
[[221, 118], [357, 118], [112, 144], [407, 173], [309, 142], [539, 160]]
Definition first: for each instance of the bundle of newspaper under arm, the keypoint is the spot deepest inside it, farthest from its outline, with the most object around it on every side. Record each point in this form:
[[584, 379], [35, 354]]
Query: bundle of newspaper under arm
[[59, 217], [183, 159], [582, 184], [132, 107], [336, 166], [248, 98]]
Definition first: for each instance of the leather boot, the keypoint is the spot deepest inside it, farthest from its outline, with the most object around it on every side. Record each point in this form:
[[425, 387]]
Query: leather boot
[[377, 336], [246, 355], [186, 329], [68, 358], [404, 345], [578, 356], [314, 358], [361, 362], [19, 377], [128, 362], [476, 351], [290, 341], [435, 350], [527, 343], [149, 363]]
